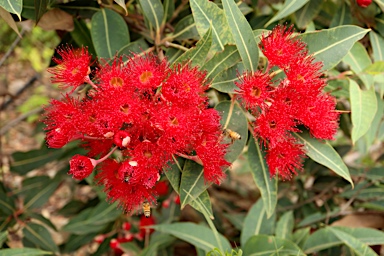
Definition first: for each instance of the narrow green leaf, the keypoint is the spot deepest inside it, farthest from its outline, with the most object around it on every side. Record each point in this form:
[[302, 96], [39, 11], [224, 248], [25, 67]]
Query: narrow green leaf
[[13, 6], [263, 245], [331, 45], [260, 174], [39, 236], [256, 222], [289, 7], [121, 3], [135, 47], [7, 17], [284, 226], [356, 245], [376, 68], [358, 59], [300, 236], [237, 219], [173, 173], [74, 242], [377, 43], [197, 235], [225, 80], [363, 109], [7, 203], [205, 202], [169, 9], [196, 56], [158, 242], [93, 220], [192, 182], [30, 160], [343, 16], [186, 29], [222, 61], [40, 9], [372, 134], [208, 15], [109, 33], [154, 11], [317, 217], [324, 154], [307, 13], [37, 190], [23, 252], [82, 35], [233, 118], [324, 238], [3, 238], [242, 34]]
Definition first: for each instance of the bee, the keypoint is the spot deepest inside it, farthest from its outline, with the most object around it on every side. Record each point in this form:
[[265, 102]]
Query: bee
[[147, 209], [231, 134], [126, 177]]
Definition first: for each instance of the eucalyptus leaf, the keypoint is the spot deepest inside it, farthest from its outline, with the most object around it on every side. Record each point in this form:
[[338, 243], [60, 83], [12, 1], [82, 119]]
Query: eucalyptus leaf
[[39, 236], [377, 42], [307, 13], [23, 252], [284, 226], [289, 7], [154, 11], [263, 245], [13, 6]]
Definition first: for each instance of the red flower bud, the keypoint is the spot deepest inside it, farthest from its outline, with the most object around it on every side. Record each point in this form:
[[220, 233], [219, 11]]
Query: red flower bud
[[81, 166], [127, 226], [363, 3]]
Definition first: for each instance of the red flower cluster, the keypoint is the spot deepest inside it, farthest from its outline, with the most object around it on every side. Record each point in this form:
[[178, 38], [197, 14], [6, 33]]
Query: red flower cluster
[[143, 108], [281, 105]]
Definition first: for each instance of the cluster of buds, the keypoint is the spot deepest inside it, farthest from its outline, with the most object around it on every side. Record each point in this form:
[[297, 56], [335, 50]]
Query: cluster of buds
[[281, 105], [144, 109]]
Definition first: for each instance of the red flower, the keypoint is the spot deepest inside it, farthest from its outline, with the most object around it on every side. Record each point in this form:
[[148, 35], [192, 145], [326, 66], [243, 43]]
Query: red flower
[[255, 89], [144, 223], [161, 188], [285, 159], [73, 67], [281, 48], [81, 166], [364, 3]]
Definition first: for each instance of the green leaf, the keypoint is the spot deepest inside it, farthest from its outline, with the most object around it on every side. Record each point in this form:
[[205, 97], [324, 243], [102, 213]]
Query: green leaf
[[256, 222], [197, 235], [260, 174], [82, 35], [93, 220], [158, 242], [263, 245], [300, 236], [376, 68], [192, 182], [186, 29], [307, 13], [324, 154], [169, 9], [343, 16], [208, 15], [7, 203], [289, 7], [37, 190], [135, 47], [317, 217], [237, 219], [284, 226], [173, 173], [205, 201], [242, 34], [331, 45], [225, 80], [23, 252], [356, 245], [233, 118], [121, 3], [7, 17], [154, 11], [39, 236], [196, 56], [222, 61], [3, 238], [42, 219], [25, 162], [13, 6], [372, 133], [363, 109], [74, 242], [40, 9], [109, 33], [377, 43], [358, 59], [324, 238]]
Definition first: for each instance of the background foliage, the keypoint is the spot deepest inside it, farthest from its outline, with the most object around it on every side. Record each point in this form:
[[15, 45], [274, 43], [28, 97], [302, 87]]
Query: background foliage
[[333, 208]]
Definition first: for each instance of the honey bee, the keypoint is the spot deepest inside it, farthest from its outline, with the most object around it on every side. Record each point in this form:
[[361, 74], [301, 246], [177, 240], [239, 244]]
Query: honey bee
[[126, 177], [231, 134], [147, 209]]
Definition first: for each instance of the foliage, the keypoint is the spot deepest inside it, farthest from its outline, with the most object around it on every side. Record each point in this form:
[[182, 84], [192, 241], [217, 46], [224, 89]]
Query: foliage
[[297, 217]]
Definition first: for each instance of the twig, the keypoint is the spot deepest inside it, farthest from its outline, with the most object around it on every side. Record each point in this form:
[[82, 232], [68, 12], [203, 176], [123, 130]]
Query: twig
[[17, 120], [10, 50]]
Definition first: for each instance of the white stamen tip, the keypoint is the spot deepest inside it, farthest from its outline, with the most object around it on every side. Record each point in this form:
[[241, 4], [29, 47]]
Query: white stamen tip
[[132, 163], [126, 141]]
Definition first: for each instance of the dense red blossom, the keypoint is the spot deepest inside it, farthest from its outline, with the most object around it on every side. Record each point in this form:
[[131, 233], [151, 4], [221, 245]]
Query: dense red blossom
[[285, 158], [149, 112], [255, 89], [73, 67], [293, 100]]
